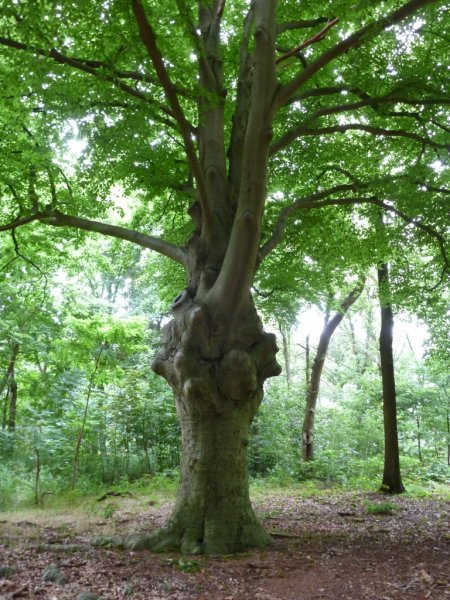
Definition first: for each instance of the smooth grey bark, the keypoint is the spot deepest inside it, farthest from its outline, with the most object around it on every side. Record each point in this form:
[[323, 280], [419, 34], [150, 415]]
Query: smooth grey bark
[[392, 480], [312, 392]]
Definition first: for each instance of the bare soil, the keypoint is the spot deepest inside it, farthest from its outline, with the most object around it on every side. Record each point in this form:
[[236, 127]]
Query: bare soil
[[324, 547]]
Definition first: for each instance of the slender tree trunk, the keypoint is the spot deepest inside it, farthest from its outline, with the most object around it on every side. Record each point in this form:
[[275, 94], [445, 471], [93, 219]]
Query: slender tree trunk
[[448, 431], [5, 409], [307, 362], [419, 437], [286, 352], [76, 454], [11, 395], [392, 481], [312, 391], [37, 478]]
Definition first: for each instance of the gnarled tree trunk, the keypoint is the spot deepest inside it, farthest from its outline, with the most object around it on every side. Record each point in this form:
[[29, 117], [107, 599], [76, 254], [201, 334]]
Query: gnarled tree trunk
[[217, 376]]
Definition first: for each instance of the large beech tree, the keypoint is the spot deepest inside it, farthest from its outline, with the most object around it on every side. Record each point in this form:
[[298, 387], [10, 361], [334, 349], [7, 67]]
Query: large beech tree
[[222, 121]]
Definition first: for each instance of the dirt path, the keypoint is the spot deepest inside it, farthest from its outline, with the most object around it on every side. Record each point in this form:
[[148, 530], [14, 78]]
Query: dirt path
[[323, 548]]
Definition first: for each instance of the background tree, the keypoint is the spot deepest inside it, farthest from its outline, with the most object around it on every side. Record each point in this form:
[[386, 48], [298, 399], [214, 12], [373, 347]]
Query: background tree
[[392, 481], [313, 388]]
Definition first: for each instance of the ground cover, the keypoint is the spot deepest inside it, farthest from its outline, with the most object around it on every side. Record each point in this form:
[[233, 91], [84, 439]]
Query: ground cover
[[327, 544]]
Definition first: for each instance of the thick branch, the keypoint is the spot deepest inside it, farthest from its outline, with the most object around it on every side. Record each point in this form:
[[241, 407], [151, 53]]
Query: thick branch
[[302, 130], [55, 218], [353, 41], [85, 65], [148, 38], [240, 116], [329, 91], [231, 289], [375, 102], [211, 104], [301, 24], [316, 201], [20, 222]]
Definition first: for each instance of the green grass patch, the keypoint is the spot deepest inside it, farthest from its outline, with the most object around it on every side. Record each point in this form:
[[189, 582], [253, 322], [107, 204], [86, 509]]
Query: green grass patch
[[380, 508]]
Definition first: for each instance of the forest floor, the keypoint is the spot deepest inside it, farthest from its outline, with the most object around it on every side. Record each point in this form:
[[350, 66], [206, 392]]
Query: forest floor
[[329, 546]]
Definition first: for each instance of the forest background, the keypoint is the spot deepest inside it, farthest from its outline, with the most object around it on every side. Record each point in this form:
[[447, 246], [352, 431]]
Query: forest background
[[91, 416]]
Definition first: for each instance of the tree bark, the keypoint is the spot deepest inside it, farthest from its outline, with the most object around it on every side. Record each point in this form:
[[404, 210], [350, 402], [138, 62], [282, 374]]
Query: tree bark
[[448, 431], [217, 377], [313, 387], [285, 336], [419, 436], [307, 362], [80, 435], [12, 387], [392, 481]]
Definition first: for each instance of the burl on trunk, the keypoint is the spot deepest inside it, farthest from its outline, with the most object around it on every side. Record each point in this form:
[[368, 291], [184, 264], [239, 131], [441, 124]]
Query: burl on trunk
[[217, 375]]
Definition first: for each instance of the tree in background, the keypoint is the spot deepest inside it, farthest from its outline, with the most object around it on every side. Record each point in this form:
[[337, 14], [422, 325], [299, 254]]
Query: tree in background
[[392, 480], [234, 108], [313, 387]]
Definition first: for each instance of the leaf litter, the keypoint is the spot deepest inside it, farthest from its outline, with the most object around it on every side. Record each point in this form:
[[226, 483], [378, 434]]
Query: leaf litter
[[324, 547]]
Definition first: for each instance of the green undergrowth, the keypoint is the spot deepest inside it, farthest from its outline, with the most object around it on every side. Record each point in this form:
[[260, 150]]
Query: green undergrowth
[[88, 499], [157, 490], [380, 508], [262, 487]]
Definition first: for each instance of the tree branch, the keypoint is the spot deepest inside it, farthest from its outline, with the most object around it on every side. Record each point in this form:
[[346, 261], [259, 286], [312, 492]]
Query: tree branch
[[55, 218], [240, 116], [86, 66], [26, 259], [353, 41], [316, 201], [20, 222], [374, 102], [148, 38], [301, 24], [302, 130], [312, 40], [329, 91], [231, 289]]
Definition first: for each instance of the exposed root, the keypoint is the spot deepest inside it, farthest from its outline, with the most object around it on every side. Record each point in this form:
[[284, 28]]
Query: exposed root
[[171, 538]]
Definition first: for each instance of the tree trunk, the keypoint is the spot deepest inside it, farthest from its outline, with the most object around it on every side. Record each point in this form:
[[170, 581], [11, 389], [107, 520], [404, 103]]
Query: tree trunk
[[37, 478], [217, 376], [312, 391], [419, 437], [12, 387], [392, 481], [307, 361], [448, 431], [286, 351], [80, 435]]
